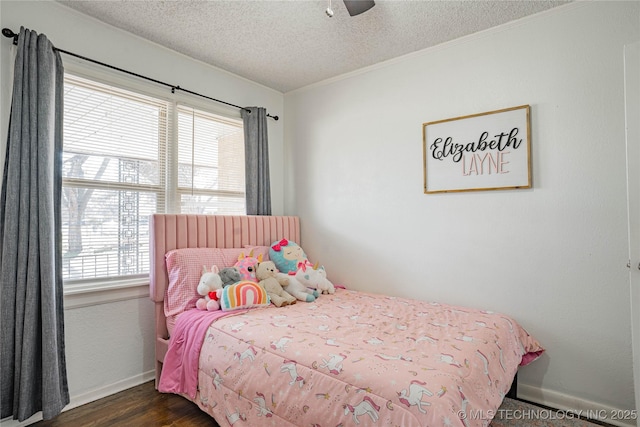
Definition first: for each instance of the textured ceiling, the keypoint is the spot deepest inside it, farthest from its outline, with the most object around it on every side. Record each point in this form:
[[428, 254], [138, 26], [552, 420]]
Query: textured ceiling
[[286, 45]]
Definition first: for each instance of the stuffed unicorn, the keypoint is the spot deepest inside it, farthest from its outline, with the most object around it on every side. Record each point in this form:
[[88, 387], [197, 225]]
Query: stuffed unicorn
[[246, 265], [298, 290], [314, 277], [209, 283]]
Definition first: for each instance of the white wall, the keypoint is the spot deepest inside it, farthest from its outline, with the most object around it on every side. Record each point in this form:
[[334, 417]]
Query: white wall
[[553, 257], [110, 346]]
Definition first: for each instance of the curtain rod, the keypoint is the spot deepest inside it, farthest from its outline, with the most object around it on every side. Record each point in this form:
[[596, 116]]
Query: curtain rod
[[10, 34]]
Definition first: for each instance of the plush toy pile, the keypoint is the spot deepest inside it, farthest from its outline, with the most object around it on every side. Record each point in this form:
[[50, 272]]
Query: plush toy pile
[[288, 277], [235, 278], [291, 259]]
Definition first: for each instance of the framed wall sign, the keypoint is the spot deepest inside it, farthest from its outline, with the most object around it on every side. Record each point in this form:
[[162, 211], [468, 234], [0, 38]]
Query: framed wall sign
[[486, 151]]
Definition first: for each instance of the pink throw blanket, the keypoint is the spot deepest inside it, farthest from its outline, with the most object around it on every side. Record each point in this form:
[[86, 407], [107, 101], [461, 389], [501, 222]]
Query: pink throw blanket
[[180, 368]]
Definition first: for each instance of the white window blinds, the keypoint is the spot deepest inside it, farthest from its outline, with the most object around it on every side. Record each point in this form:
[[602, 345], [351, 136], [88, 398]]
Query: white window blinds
[[113, 178], [210, 163], [122, 162]]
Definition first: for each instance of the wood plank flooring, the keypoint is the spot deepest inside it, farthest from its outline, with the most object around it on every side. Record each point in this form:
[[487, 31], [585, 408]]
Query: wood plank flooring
[[140, 406], [143, 406]]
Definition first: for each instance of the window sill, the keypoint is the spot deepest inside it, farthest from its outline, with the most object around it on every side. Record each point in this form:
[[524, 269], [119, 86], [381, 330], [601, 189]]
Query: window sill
[[76, 296]]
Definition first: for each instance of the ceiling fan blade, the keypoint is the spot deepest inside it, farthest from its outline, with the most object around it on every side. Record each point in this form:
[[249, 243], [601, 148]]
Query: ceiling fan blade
[[356, 7]]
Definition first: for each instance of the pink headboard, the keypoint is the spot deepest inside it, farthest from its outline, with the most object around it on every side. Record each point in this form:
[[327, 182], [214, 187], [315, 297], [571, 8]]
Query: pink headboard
[[170, 232]]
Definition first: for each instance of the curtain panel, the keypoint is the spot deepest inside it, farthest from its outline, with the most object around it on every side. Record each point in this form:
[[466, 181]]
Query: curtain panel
[[256, 151], [33, 373]]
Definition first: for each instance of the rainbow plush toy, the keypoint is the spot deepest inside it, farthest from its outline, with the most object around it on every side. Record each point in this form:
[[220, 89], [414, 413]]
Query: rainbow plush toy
[[244, 294]]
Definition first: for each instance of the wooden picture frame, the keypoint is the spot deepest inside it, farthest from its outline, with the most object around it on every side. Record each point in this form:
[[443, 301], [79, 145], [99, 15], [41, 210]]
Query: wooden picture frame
[[486, 151]]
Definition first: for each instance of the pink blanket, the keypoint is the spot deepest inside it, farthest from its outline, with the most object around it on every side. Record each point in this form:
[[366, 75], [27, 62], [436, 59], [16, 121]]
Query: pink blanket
[[180, 369], [352, 357]]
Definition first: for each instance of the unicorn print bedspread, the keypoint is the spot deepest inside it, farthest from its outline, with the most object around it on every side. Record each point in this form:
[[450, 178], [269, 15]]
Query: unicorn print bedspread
[[354, 358]]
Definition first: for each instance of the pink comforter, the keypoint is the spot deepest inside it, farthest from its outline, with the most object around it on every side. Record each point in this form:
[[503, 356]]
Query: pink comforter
[[357, 358]]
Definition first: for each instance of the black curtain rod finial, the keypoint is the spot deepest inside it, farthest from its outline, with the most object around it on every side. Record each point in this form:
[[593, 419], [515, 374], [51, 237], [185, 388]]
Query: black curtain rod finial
[[10, 34]]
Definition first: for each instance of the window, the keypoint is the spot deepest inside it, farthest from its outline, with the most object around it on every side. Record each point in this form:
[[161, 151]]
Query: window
[[210, 163], [117, 169]]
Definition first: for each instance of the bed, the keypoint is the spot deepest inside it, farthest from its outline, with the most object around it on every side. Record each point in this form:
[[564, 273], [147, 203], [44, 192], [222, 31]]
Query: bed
[[350, 358]]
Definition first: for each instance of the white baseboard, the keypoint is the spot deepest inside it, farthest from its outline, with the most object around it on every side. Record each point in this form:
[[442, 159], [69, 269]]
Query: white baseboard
[[565, 402], [88, 397]]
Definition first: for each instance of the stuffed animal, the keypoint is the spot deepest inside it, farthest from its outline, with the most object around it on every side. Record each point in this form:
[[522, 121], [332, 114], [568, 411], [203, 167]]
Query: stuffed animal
[[209, 283], [246, 265], [241, 295], [287, 255], [298, 290], [229, 276], [314, 277], [267, 274]]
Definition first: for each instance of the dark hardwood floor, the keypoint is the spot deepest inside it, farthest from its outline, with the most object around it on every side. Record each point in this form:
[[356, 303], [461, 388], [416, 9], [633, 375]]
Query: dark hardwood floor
[[143, 406], [140, 406]]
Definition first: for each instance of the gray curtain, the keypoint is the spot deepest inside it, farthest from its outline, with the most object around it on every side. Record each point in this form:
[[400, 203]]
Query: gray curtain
[[33, 369], [256, 152]]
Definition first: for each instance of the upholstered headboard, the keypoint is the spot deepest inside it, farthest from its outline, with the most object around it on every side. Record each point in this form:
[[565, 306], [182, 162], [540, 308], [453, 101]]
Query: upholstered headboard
[[168, 232]]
